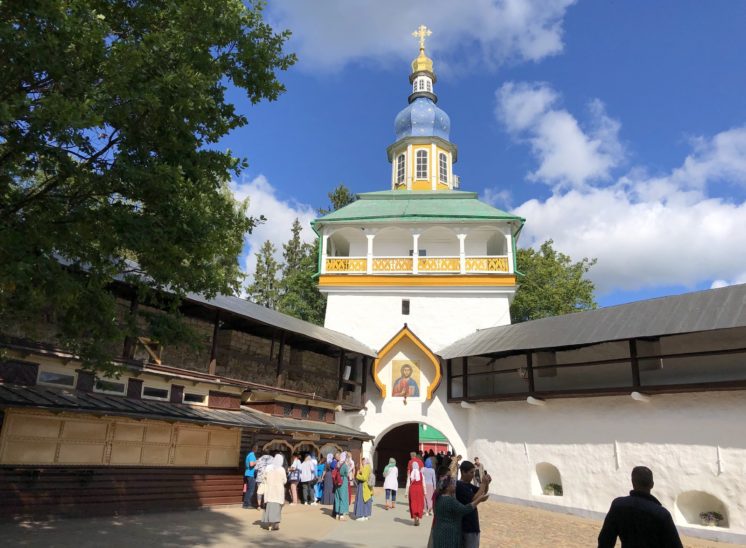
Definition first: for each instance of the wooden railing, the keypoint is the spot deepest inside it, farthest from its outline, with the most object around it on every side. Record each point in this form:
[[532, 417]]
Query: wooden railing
[[425, 265]]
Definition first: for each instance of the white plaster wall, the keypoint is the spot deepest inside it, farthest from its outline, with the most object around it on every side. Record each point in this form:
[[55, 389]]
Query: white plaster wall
[[691, 442], [437, 319]]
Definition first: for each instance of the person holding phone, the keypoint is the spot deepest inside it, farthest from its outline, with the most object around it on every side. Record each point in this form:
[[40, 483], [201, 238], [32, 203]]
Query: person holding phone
[[466, 492]]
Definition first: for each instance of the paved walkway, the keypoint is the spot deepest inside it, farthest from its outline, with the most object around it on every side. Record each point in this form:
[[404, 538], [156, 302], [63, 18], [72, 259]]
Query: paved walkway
[[503, 525]]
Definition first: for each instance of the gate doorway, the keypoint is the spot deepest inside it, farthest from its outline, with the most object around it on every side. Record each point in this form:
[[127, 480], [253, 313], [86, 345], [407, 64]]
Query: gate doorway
[[400, 441]]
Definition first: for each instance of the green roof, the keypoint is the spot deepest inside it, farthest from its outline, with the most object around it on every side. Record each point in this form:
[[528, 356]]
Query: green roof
[[431, 434], [412, 206]]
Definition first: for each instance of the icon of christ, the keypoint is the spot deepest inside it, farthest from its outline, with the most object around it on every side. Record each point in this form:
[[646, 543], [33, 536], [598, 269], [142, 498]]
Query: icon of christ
[[406, 386]]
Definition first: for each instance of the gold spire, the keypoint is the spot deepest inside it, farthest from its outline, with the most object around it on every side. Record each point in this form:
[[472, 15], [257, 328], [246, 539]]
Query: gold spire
[[422, 62]]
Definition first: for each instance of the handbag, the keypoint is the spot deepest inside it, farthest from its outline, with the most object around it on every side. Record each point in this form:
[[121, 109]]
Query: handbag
[[294, 475]]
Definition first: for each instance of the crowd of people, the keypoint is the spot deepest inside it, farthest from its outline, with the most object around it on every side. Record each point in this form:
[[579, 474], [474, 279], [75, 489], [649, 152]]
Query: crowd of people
[[442, 486], [432, 489]]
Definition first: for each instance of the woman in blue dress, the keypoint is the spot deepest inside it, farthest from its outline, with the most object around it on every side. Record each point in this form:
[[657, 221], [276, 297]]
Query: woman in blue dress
[[342, 492], [318, 488]]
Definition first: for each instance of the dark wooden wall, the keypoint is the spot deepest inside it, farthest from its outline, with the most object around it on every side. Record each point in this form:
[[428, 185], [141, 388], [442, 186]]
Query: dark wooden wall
[[75, 492]]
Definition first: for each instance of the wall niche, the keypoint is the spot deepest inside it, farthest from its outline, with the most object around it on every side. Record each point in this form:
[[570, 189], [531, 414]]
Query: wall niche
[[547, 480], [695, 507]]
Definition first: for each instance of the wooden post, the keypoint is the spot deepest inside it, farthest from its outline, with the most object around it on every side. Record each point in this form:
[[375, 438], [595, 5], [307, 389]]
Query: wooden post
[[128, 350], [635, 363], [212, 366], [364, 386], [280, 378], [530, 371], [466, 378], [340, 385], [449, 380]]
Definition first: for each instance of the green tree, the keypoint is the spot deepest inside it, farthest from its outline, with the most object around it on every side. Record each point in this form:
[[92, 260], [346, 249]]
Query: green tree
[[265, 290], [338, 198], [301, 296], [292, 251], [110, 118], [552, 284]]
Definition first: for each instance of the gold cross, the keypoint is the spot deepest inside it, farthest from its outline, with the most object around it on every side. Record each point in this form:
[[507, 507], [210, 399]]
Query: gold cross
[[421, 32]]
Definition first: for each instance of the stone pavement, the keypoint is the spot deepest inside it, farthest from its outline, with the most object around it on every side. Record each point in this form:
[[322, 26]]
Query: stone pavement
[[503, 525]]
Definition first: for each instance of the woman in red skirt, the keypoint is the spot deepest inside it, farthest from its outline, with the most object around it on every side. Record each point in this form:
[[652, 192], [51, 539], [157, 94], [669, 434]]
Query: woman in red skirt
[[416, 494]]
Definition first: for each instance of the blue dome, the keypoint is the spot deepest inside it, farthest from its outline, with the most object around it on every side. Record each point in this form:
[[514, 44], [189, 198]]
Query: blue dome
[[422, 118]]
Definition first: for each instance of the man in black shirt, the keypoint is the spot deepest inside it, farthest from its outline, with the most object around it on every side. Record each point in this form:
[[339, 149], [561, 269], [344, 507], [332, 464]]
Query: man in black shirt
[[639, 520], [464, 494]]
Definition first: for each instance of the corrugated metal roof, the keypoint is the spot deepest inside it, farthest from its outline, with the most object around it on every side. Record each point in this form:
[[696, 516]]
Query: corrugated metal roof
[[267, 316], [409, 205], [721, 308], [287, 425], [76, 401]]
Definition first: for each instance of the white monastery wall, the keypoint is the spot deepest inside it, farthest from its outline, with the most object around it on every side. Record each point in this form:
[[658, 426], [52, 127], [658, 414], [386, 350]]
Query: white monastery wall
[[693, 443], [437, 319]]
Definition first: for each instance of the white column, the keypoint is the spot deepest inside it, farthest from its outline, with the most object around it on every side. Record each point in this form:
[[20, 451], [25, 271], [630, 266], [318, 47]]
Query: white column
[[369, 265], [415, 253], [509, 247], [324, 247], [462, 252], [433, 167], [408, 168]]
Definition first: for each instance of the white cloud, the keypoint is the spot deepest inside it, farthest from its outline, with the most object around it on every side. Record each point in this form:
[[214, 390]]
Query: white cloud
[[497, 197], [329, 34], [280, 214], [567, 154], [653, 231]]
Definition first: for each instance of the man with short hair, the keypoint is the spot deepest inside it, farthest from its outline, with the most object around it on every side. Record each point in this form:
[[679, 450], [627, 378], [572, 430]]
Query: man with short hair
[[478, 472], [639, 520], [465, 492], [249, 479]]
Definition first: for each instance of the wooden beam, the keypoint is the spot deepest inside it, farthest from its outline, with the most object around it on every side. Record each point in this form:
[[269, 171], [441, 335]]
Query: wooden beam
[[212, 366], [530, 371]]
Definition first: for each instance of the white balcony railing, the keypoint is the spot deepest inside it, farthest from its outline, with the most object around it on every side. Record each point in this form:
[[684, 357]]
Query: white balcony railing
[[487, 264]]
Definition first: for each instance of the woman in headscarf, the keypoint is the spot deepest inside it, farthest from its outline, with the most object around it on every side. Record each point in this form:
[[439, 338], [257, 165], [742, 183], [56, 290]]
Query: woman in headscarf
[[364, 498], [446, 531], [429, 481], [342, 492], [327, 497], [275, 479], [416, 494], [391, 482]]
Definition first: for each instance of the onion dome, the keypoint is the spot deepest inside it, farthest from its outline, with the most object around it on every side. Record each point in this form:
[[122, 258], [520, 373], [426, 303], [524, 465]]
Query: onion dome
[[422, 118]]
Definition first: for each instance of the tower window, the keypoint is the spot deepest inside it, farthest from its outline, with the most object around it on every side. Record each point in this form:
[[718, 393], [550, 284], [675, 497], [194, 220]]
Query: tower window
[[443, 163], [405, 307], [400, 169], [429, 86], [421, 164], [422, 85]]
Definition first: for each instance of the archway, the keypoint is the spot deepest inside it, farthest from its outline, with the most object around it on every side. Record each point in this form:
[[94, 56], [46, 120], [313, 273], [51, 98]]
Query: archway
[[399, 441]]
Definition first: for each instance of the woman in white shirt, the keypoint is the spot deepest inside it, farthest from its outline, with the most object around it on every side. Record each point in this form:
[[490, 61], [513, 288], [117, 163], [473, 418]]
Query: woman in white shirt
[[391, 482]]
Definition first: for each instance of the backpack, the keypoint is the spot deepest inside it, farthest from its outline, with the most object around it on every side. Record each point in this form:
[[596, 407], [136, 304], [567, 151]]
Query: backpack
[[371, 480], [261, 464], [337, 478]]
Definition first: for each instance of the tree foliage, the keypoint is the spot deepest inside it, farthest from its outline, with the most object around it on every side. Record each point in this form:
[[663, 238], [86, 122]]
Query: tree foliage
[[110, 115], [552, 284], [338, 198], [265, 289]]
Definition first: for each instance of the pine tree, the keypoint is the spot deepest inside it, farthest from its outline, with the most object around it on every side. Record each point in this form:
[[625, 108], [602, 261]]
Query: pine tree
[[299, 295], [292, 251], [338, 198], [265, 289]]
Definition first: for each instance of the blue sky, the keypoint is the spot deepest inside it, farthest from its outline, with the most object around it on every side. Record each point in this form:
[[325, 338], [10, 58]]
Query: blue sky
[[618, 129]]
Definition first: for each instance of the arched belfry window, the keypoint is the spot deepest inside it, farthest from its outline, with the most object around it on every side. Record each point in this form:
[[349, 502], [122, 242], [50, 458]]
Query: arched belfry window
[[443, 165], [421, 164], [400, 168]]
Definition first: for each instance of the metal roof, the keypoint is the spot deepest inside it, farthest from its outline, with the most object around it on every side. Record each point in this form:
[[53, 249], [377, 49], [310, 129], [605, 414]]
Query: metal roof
[[417, 206], [707, 310], [289, 424], [267, 316], [76, 401]]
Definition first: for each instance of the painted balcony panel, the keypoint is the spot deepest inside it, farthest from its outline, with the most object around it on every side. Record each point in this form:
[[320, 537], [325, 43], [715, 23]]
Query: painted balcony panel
[[346, 264], [392, 264]]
